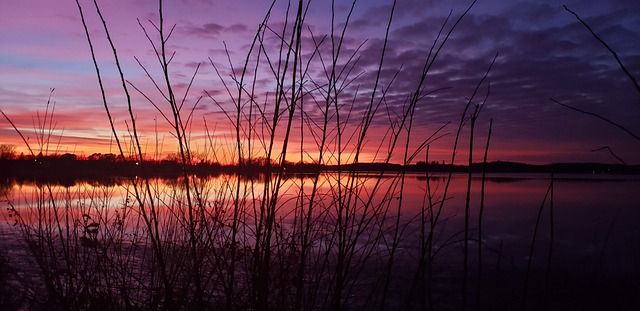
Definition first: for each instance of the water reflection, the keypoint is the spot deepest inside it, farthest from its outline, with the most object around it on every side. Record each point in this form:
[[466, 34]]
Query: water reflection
[[589, 226], [590, 213]]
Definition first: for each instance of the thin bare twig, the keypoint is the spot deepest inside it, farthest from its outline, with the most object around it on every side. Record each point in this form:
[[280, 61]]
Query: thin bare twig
[[611, 152], [599, 117], [615, 55]]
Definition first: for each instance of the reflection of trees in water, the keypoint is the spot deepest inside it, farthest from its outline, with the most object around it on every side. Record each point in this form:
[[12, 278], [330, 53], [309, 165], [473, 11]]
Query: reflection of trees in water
[[431, 178], [6, 183], [106, 235]]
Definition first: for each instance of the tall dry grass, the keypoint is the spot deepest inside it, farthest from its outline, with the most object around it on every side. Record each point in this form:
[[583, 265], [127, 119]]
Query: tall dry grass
[[334, 241]]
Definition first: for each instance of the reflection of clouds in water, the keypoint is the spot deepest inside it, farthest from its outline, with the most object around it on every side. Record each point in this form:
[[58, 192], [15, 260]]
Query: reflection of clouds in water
[[587, 212]]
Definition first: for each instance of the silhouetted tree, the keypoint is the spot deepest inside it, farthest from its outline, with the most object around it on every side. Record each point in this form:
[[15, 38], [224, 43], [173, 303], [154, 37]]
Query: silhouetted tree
[[7, 152]]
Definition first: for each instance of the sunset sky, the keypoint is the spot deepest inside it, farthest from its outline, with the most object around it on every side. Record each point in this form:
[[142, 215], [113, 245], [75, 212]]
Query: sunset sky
[[543, 53]]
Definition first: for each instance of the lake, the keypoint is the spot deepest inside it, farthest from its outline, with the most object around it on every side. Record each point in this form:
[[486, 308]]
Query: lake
[[343, 226]]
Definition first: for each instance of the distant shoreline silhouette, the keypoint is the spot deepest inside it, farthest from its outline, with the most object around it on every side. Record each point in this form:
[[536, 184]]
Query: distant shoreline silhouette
[[68, 166]]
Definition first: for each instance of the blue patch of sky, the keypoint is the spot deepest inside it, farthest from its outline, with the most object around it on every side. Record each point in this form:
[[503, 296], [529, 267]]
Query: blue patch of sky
[[70, 66]]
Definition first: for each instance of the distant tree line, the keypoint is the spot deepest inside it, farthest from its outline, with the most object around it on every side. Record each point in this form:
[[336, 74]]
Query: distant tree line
[[109, 164]]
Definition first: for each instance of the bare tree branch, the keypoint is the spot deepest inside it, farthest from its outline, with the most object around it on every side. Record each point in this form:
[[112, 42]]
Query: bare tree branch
[[599, 117], [611, 152], [633, 79]]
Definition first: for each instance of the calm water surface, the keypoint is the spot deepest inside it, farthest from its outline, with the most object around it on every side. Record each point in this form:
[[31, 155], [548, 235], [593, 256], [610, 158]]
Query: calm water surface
[[592, 220]]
